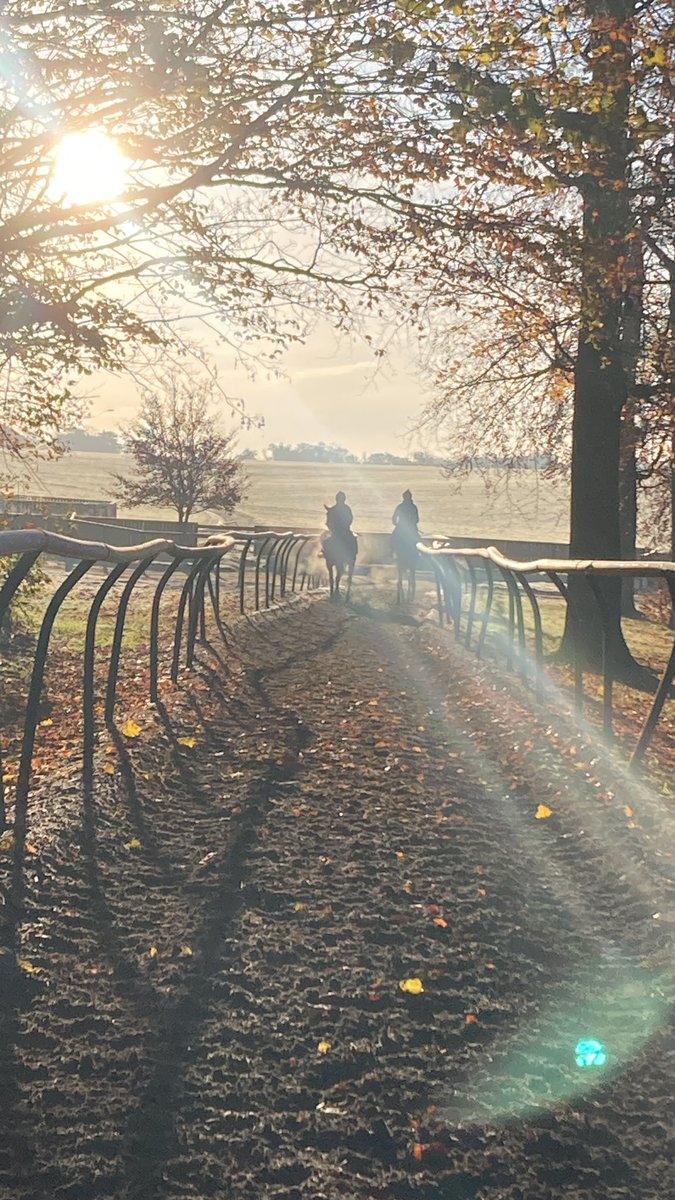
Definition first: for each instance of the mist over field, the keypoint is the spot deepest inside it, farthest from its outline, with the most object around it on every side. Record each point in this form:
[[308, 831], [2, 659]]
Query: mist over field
[[293, 495]]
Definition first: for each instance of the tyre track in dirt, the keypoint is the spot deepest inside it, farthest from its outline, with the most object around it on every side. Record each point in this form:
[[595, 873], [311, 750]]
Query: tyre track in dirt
[[357, 829]]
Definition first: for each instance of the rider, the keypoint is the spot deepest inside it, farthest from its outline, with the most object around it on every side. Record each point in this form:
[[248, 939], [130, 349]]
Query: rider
[[406, 520], [339, 519]]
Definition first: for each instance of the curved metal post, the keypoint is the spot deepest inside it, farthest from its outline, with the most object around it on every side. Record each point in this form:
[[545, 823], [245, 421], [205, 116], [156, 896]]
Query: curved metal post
[[34, 693], [271, 576], [186, 594], [88, 697], [472, 602], [302, 542], [283, 565], [241, 580], [7, 592], [196, 608], [607, 673], [154, 628], [488, 607], [113, 669], [662, 693], [457, 600], [261, 548], [511, 618], [576, 663], [538, 636], [216, 609]]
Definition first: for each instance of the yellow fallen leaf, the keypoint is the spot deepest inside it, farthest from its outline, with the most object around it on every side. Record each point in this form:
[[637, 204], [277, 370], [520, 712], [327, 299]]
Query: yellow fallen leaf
[[324, 1047], [7, 841], [134, 844], [187, 951], [46, 724], [191, 742], [300, 906], [543, 812], [131, 730], [153, 952], [29, 968], [109, 768], [413, 986]]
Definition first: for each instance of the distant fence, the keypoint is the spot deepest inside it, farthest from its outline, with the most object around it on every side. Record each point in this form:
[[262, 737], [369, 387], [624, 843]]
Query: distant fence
[[56, 506], [268, 568], [465, 582]]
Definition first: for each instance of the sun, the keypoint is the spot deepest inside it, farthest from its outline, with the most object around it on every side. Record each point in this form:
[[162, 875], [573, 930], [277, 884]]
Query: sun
[[88, 169]]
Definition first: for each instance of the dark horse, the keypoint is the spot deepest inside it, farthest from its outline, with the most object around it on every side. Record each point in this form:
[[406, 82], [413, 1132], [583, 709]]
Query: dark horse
[[407, 556], [339, 551]]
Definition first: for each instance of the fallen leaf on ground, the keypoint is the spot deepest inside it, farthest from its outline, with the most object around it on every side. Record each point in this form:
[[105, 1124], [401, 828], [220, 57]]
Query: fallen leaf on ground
[[134, 844], [471, 1019], [29, 968], [109, 769], [7, 841], [440, 921], [130, 729], [324, 1047], [543, 812], [190, 742], [187, 951], [412, 986]]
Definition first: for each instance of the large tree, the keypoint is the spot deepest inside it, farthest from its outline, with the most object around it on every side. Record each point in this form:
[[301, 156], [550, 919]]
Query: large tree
[[562, 113]]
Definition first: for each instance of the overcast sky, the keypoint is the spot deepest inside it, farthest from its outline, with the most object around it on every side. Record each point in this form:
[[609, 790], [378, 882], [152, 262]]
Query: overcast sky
[[332, 391]]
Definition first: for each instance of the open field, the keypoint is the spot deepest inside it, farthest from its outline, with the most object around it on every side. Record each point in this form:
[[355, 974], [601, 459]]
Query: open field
[[293, 494]]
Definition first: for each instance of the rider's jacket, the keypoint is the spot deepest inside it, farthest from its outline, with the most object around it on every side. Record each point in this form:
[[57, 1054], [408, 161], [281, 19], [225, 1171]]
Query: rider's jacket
[[406, 520], [339, 518]]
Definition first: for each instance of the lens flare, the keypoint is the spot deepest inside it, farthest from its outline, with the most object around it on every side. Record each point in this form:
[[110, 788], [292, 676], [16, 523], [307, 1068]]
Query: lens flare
[[589, 1052]]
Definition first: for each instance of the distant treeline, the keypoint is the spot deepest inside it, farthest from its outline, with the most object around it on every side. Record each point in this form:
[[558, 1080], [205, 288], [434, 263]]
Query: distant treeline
[[108, 442], [105, 442], [323, 452], [328, 453]]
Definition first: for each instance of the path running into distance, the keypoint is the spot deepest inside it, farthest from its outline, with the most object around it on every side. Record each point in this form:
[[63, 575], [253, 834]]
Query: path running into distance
[[217, 938]]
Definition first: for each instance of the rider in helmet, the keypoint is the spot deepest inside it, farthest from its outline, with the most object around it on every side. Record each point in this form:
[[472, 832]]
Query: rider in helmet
[[406, 521], [339, 517]]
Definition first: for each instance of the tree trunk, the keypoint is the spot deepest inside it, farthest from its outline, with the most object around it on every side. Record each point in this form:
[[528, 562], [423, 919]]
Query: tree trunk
[[628, 507], [600, 384], [594, 527], [631, 348]]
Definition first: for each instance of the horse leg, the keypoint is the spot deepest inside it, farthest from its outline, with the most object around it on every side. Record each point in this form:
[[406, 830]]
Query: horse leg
[[350, 573], [399, 583], [338, 577]]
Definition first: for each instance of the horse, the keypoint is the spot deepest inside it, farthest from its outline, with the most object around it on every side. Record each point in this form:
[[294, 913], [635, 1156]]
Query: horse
[[340, 552], [406, 556]]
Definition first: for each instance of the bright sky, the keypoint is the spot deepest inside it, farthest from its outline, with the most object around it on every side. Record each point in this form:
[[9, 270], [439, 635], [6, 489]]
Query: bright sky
[[331, 391]]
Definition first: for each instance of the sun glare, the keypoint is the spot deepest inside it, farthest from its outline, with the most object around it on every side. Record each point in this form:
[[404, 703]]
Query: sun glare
[[88, 169]]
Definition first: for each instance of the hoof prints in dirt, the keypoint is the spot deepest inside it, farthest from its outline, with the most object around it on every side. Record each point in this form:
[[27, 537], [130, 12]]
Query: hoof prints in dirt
[[280, 1057]]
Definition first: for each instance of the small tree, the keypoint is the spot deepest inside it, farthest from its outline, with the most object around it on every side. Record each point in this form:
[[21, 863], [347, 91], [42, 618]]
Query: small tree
[[182, 459]]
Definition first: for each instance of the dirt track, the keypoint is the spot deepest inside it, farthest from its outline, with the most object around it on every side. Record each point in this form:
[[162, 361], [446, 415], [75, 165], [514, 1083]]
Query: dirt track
[[215, 942]]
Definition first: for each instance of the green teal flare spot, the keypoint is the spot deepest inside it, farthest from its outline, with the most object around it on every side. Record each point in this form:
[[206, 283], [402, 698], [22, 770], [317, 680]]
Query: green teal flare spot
[[589, 1052]]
